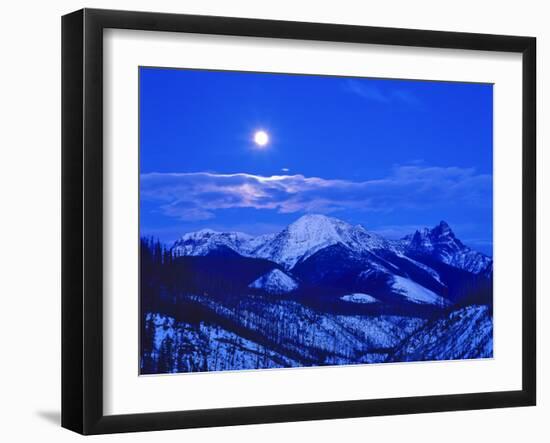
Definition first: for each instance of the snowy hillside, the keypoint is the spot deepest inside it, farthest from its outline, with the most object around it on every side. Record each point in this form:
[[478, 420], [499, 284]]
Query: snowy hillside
[[464, 334], [207, 348], [271, 334]]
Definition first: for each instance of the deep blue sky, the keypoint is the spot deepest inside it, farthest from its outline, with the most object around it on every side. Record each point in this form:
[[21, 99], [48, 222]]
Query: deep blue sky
[[392, 155]]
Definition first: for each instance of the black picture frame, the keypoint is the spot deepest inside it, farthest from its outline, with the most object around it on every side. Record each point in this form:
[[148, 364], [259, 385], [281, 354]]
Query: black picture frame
[[82, 218]]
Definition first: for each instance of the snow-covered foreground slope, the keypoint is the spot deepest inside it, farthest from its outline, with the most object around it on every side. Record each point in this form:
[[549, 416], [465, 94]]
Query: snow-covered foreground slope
[[254, 332], [464, 334], [181, 347], [308, 335]]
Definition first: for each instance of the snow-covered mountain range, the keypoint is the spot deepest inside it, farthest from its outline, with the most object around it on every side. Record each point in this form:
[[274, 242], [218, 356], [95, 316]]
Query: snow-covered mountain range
[[421, 268], [319, 292], [312, 233]]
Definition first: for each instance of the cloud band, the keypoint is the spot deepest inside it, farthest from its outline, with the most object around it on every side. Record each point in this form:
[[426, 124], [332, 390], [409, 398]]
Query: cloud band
[[198, 195]]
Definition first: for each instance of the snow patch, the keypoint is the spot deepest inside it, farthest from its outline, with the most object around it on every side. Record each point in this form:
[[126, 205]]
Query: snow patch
[[359, 298], [422, 266], [416, 293], [275, 282]]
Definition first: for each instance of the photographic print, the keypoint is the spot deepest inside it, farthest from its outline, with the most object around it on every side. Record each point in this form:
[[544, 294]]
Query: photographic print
[[306, 220]]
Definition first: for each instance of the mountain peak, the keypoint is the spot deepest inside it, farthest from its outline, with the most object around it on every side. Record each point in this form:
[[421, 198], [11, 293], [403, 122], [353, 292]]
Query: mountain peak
[[439, 231], [428, 239], [443, 229], [320, 219], [318, 226], [313, 232], [441, 243], [303, 238], [316, 219], [206, 231]]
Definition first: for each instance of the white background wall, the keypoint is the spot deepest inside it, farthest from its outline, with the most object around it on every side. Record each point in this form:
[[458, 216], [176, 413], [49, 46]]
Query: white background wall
[[30, 218]]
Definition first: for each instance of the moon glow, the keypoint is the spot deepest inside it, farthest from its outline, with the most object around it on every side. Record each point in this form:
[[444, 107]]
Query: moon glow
[[261, 138]]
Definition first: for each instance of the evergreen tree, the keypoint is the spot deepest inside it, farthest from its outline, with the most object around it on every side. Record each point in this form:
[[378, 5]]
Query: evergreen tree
[[166, 355]]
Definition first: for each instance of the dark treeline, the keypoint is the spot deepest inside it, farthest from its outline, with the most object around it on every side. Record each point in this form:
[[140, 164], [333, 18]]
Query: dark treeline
[[164, 275], [167, 281]]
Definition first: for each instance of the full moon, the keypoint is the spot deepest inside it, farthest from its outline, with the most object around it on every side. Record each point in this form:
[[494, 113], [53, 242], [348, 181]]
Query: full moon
[[261, 138]]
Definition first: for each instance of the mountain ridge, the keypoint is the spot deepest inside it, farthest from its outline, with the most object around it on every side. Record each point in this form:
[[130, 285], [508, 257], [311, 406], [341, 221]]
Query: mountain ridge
[[313, 232]]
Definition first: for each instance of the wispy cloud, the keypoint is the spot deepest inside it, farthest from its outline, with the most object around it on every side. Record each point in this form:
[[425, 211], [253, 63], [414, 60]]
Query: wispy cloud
[[372, 92], [197, 196]]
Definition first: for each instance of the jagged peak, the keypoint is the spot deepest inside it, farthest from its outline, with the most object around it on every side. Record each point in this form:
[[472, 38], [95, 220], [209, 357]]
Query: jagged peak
[[439, 230], [443, 229]]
